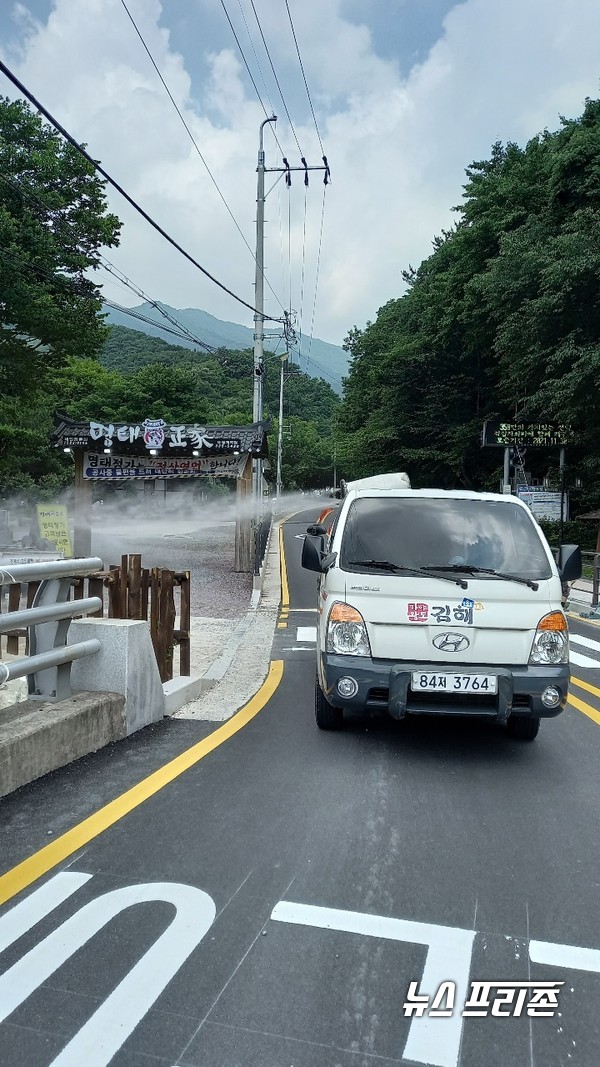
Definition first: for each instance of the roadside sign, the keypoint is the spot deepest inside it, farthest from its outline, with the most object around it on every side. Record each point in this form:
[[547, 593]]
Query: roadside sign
[[53, 522], [526, 434], [544, 503]]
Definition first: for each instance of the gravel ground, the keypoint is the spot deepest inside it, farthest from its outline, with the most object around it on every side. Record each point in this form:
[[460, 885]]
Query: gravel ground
[[204, 546]]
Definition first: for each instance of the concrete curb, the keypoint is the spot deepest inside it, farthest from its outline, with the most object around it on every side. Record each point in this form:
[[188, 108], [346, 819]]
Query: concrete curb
[[36, 738], [241, 668]]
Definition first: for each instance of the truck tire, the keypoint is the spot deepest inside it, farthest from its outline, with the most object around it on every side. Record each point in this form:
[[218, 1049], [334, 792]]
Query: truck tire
[[525, 729], [328, 717]]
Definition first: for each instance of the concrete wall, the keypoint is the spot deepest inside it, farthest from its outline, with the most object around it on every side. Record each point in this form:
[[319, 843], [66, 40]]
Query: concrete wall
[[36, 738], [125, 664]]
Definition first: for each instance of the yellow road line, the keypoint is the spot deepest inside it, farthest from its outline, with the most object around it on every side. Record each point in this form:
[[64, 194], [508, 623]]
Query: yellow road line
[[586, 685], [587, 709], [43, 861], [285, 592], [577, 618]]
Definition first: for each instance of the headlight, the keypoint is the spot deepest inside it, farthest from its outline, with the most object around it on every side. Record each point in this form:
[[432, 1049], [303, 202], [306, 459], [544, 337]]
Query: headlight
[[346, 632], [551, 641]]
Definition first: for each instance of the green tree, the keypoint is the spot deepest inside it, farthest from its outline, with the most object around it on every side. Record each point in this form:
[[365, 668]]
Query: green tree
[[503, 319], [53, 221]]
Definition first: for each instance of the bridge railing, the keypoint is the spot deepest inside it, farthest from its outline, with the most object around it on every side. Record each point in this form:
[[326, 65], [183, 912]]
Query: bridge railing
[[48, 663]]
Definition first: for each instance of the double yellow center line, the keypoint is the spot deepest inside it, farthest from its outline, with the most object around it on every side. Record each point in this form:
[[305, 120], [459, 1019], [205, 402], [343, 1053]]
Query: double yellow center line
[[582, 705]]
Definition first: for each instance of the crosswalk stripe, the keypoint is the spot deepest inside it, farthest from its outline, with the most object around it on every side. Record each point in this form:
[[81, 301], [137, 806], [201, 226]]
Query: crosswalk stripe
[[307, 633], [577, 639], [584, 661]]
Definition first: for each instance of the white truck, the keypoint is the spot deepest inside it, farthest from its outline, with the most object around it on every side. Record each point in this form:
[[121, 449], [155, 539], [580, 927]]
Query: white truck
[[434, 602]]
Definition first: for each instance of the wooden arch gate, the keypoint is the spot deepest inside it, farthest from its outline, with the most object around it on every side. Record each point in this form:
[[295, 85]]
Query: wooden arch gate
[[153, 449]]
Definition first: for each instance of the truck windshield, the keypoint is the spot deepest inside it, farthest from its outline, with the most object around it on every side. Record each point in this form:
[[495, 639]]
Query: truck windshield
[[430, 532]]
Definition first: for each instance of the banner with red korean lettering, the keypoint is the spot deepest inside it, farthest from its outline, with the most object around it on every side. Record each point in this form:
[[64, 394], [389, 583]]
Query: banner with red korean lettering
[[106, 467]]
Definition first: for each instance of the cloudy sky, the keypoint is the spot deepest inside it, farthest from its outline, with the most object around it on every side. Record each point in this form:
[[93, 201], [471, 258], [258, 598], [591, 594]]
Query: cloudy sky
[[406, 93]]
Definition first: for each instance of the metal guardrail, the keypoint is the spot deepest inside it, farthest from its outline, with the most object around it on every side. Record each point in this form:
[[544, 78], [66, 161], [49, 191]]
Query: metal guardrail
[[48, 665]]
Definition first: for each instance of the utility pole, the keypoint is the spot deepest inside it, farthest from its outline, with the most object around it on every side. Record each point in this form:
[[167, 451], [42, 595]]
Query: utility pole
[[259, 316], [284, 359]]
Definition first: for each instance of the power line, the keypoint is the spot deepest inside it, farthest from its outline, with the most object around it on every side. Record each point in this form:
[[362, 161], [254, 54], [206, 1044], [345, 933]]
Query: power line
[[304, 76], [312, 322], [195, 144], [247, 28], [250, 75], [184, 332], [275, 76], [152, 322], [54, 122], [71, 283]]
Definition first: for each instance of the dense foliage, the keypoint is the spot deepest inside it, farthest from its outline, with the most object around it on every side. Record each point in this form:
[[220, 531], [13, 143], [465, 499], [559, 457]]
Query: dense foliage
[[166, 381], [53, 221], [501, 321]]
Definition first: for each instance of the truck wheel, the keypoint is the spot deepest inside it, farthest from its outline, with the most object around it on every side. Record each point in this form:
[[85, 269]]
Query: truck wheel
[[523, 728], [328, 717]]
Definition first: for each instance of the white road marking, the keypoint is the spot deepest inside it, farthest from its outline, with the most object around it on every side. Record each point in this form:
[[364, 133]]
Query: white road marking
[[35, 907], [98, 1040], [577, 639], [572, 956], [307, 633], [449, 953], [583, 661]]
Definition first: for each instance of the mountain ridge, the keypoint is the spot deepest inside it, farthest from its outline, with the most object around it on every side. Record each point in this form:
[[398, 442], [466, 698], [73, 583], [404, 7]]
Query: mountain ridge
[[319, 359]]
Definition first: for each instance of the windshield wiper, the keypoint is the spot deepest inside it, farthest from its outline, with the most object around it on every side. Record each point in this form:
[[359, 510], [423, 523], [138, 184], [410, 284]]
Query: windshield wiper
[[471, 568], [397, 568]]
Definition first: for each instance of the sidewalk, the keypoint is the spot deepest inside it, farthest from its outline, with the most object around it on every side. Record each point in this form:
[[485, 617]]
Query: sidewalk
[[233, 656], [579, 603]]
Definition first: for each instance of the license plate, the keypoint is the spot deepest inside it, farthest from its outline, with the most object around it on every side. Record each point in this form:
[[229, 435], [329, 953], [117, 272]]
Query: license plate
[[455, 683]]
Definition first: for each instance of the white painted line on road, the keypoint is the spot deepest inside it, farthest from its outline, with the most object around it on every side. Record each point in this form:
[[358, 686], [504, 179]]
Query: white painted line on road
[[434, 1041], [577, 639], [572, 956], [29, 912], [306, 633], [584, 661], [101, 1037]]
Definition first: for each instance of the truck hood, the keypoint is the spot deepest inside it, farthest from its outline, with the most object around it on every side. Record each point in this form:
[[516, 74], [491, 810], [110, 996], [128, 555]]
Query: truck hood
[[493, 621]]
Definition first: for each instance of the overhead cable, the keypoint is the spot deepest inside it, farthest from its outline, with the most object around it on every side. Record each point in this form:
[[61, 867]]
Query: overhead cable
[[195, 144], [152, 322], [247, 28], [304, 77], [312, 322], [54, 122], [184, 331], [108, 266], [275, 76]]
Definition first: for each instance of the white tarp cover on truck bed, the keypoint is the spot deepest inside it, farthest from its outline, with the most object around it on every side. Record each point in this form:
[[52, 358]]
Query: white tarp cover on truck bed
[[396, 480]]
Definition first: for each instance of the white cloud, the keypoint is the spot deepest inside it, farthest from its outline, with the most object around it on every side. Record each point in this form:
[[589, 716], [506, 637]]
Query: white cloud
[[397, 145]]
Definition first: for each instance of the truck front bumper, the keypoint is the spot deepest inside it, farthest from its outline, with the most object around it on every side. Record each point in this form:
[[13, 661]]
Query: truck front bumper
[[385, 686]]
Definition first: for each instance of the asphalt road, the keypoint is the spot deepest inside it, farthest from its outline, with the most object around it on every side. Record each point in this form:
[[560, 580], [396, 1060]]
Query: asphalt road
[[269, 906]]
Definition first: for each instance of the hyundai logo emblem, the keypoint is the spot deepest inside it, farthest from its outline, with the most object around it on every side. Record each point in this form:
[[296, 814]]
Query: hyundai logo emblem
[[451, 642]]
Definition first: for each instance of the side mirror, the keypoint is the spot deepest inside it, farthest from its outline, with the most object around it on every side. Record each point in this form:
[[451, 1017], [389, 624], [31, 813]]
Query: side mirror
[[316, 530], [569, 563], [313, 557], [312, 554]]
